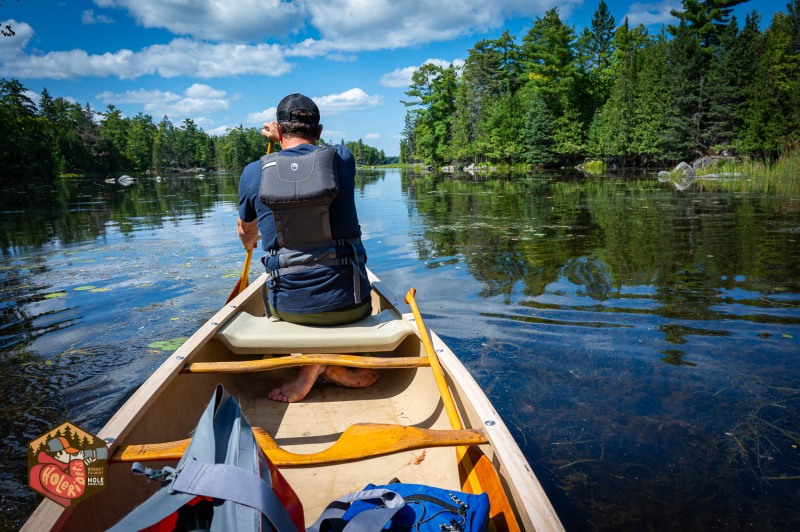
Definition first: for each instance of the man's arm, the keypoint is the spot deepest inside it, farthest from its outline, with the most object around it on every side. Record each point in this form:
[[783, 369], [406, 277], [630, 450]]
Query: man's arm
[[248, 233]]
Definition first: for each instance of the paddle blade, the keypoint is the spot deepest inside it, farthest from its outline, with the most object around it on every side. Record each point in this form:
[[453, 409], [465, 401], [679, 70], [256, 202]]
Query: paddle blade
[[235, 292], [244, 280], [477, 474]]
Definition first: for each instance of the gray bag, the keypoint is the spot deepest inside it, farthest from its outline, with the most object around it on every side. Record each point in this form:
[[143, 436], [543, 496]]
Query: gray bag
[[224, 462]]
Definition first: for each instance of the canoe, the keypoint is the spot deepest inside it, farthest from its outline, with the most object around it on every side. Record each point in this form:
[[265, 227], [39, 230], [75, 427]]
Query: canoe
[[334, 441]]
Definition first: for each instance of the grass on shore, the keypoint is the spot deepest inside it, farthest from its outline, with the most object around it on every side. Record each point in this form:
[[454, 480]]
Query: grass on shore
[[781, 176]]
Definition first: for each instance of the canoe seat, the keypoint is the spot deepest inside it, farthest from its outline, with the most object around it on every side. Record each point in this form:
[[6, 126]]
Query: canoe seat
[[246, 334]]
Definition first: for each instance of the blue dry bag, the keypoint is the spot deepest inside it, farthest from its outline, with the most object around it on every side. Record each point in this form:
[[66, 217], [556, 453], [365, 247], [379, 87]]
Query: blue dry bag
[[405, 507]]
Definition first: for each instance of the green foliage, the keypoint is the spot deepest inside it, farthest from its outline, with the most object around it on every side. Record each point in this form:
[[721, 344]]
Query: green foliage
[[365, 155], [539, 133], [239, 147], [594, 167], [63, 137], [433, 89], [698, 87], [772, 115], [24, 147], [706, 19], [595, 55]]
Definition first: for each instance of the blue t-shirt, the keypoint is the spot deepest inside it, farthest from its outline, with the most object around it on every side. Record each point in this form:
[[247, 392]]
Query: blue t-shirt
[[323, 288]]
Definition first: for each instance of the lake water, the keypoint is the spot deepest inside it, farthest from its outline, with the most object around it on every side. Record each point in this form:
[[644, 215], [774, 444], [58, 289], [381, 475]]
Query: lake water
[[642, 343]]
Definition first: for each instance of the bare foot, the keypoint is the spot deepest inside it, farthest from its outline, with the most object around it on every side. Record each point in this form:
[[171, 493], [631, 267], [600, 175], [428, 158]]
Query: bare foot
[[296, 388], [351, 377]]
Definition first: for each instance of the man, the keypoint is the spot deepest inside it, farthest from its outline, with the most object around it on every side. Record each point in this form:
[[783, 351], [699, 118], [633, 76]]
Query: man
[[301, 203]]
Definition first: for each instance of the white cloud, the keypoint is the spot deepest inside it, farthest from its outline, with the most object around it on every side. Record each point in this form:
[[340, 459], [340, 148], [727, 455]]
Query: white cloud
[[345, 25], [34, 96], [401, 77], [345, 28], [139, 96], [218, 20], [204, 122], [654, 13], [199, 90], [354, 25], [181, 57], [372, 136], [12, 46], [267, 115], [334, 135], [88, 17], [197, 101], [351, 100], [219, 131]]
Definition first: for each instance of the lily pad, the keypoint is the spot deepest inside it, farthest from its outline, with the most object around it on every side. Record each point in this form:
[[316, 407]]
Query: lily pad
[[230, 275], [100, 289], [82, 288], [168, 345], [54, 295]]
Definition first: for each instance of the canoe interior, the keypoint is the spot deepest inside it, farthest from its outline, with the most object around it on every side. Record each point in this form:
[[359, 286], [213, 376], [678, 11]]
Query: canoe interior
[[401, 396]]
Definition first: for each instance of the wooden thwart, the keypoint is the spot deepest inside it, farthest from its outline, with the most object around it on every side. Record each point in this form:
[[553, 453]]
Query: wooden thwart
[[357, 442], [351, 361]]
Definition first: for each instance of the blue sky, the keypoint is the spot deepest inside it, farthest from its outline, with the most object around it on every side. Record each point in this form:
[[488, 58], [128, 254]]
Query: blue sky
[[224, 63]]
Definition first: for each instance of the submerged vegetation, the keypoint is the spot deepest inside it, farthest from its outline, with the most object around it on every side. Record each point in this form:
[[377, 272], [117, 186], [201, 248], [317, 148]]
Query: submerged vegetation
[[707, 85]]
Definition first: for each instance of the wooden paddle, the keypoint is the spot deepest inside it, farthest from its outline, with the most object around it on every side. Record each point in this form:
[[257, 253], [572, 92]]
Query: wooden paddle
[[244, 280], [476, 471], [357, 442]]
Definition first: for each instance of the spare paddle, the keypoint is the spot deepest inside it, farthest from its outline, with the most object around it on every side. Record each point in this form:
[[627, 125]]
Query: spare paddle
[[476, 471], [244, 280]]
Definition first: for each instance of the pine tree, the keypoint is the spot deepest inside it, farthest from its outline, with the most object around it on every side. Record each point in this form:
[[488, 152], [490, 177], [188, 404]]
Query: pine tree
[[433, 88], [539, 133], [772, 117], [688, 89], [595, 51], [706, 19], [550, 64], [730, 76]]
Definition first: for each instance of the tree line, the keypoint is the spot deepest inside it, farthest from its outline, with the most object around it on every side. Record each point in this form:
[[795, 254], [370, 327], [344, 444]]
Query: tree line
[[703, 85], [60, 136]]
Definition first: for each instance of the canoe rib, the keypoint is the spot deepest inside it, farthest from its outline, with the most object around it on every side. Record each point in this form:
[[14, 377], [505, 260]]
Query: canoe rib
[[351, 361], [357, 442]]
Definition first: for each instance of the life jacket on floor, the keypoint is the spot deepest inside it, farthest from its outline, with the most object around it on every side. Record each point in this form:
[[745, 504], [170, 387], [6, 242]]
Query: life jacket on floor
[[299, 190], [223, 482]]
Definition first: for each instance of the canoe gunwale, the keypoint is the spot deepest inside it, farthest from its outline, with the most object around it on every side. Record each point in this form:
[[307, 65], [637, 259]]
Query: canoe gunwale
[[534, 510]]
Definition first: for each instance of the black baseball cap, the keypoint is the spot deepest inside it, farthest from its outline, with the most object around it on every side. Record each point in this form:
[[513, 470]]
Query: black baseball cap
[[295, 102]]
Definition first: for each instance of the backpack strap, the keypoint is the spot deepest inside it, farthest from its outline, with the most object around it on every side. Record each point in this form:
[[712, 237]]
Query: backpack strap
[[218, 481], [375, 519], [231, 483]]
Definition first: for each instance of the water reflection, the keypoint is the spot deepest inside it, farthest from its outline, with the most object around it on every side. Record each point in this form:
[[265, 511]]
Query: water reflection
[[640, 341], [655, 336]]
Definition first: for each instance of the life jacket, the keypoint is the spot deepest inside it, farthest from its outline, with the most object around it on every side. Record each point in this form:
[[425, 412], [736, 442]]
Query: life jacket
[[299, 190]]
